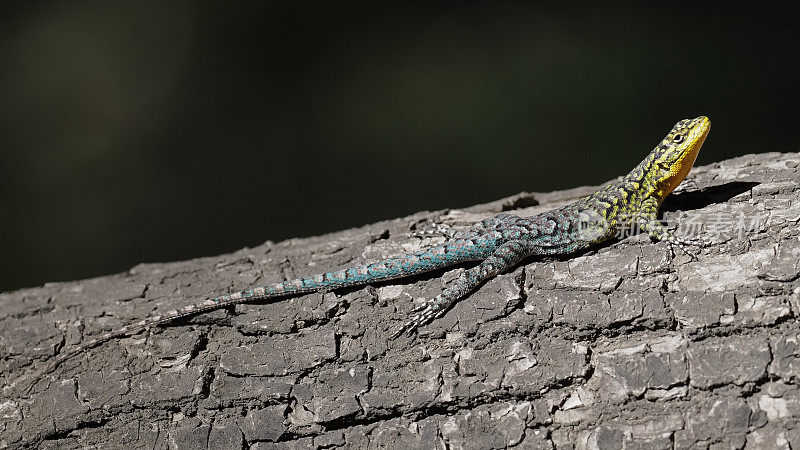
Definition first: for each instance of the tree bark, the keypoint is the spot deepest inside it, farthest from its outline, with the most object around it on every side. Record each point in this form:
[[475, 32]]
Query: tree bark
[[633, 344]]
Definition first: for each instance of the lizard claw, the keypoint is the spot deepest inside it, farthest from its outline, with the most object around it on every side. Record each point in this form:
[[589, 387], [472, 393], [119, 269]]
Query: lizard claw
[[688, 246], [410, 326], [397, 333], [419, 307], [424, 314]]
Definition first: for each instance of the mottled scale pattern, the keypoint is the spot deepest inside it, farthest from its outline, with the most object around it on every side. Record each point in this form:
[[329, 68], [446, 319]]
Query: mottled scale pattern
[[498, 242]]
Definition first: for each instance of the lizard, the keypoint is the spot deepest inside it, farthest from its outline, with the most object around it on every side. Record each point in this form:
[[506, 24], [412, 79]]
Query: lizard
[[499, 242]]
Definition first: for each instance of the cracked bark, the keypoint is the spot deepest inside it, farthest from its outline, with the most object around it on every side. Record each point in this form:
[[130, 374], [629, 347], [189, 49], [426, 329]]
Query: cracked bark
[[628, 345]]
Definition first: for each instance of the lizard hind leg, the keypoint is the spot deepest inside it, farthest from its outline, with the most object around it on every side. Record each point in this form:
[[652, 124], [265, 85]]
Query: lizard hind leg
[[505, 257]]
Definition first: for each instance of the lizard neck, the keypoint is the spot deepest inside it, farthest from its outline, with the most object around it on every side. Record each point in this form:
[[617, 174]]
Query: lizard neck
[[667, 165]]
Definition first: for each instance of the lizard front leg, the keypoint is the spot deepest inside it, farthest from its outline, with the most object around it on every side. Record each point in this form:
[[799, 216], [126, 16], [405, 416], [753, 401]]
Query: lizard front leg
[[648, 222], [505, 257]]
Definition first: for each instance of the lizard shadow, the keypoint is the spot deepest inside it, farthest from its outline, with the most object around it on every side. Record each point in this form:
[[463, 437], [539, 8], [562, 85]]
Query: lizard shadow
[[696, 199]]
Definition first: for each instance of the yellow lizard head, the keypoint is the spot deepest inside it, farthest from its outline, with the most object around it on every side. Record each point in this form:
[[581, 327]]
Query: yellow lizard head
[[671, 160]]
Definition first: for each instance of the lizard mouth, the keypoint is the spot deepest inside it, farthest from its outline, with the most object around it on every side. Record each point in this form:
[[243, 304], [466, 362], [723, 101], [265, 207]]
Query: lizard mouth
[[699, 133]]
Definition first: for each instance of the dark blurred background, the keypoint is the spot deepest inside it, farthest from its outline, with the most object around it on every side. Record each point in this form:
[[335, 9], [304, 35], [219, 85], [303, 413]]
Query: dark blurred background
[[153, 131]]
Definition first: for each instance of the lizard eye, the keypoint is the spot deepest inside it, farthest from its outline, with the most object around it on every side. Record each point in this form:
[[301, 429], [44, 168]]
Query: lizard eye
[[678, 138]]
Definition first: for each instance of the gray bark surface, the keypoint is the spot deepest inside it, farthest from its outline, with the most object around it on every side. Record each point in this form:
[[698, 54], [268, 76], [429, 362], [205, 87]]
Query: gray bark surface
[[630, 345]]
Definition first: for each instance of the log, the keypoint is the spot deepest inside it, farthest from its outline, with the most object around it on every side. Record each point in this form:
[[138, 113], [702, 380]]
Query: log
[[633, 344]]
